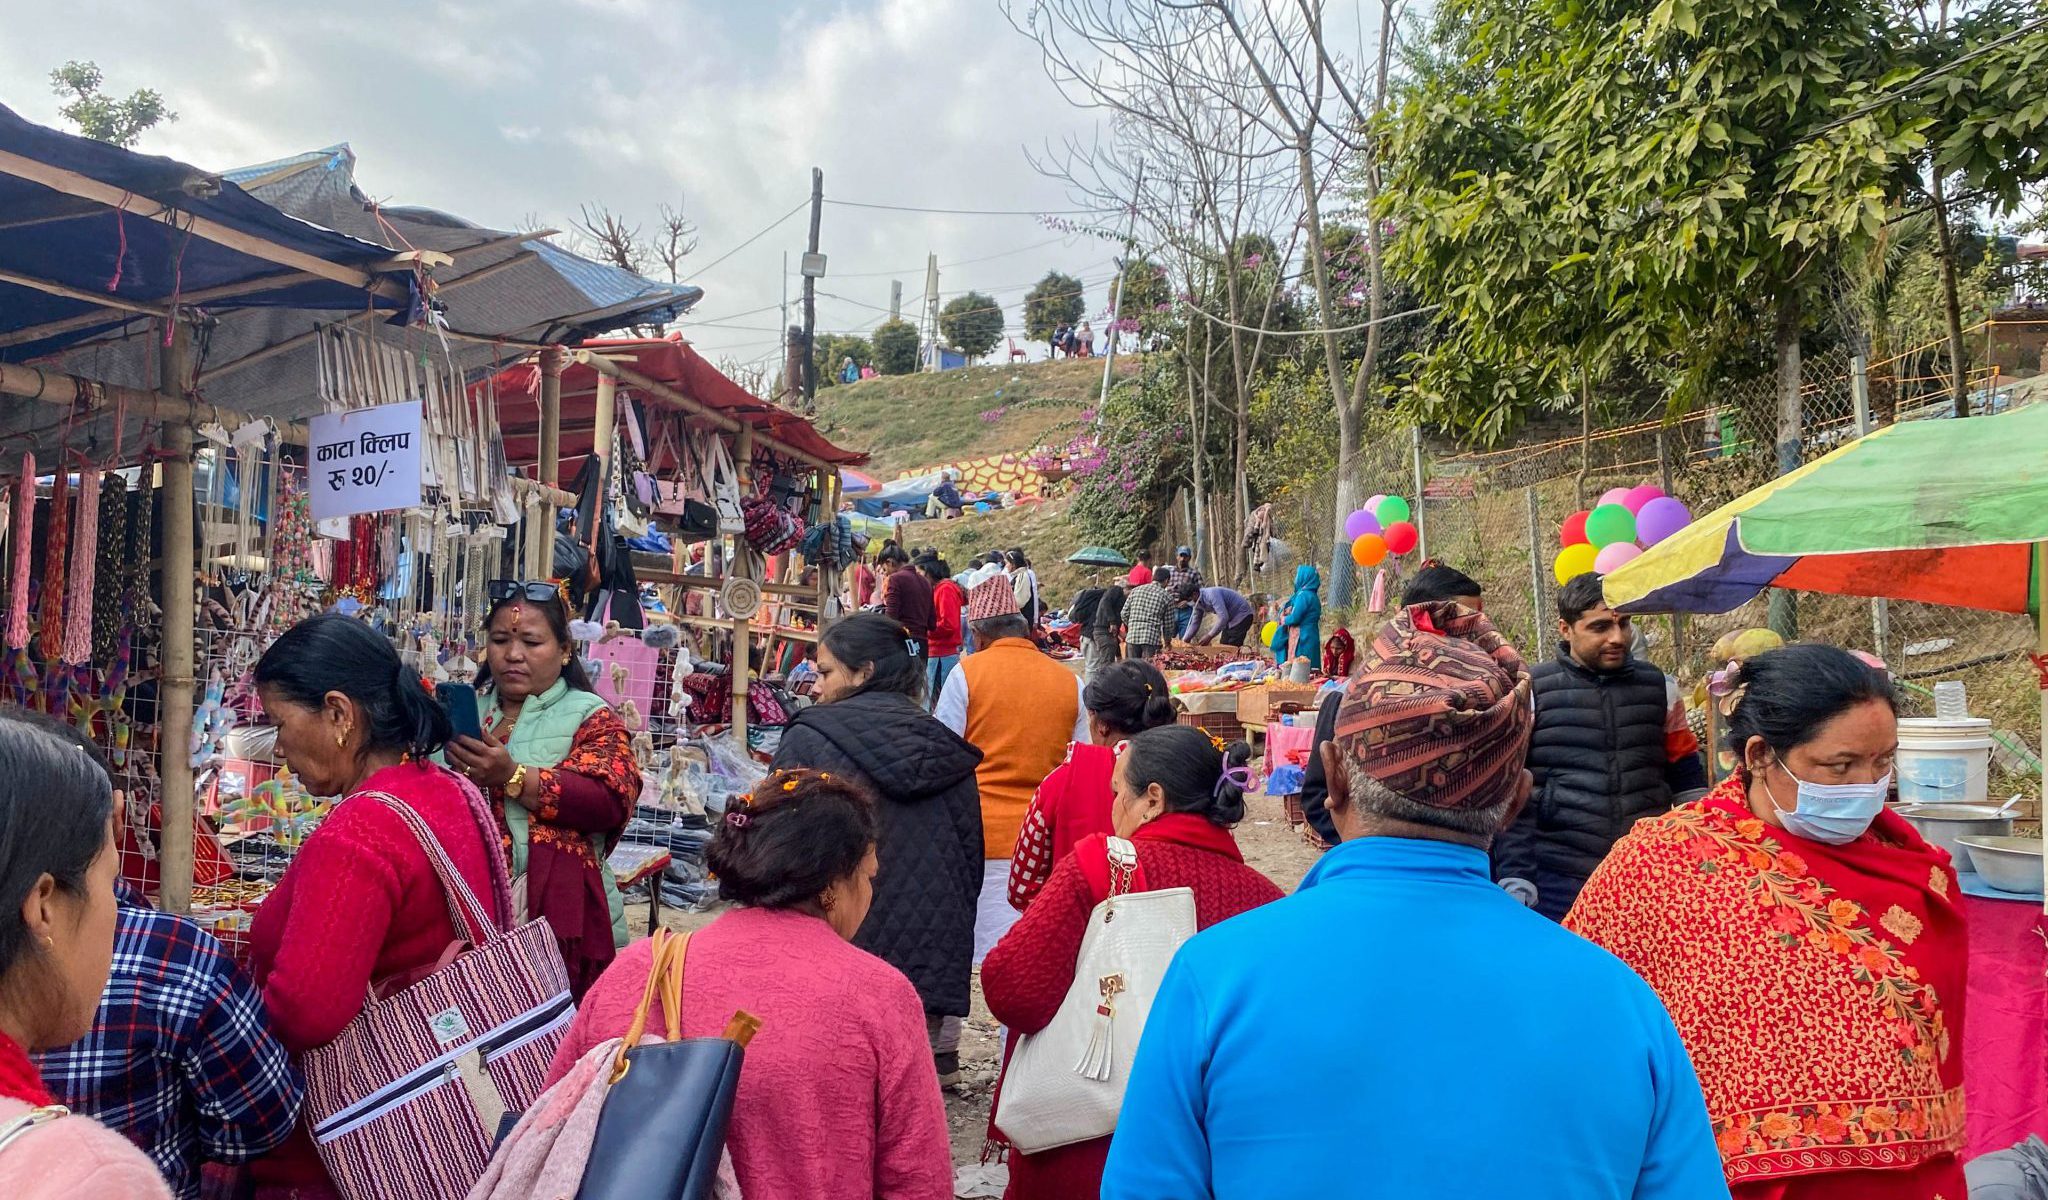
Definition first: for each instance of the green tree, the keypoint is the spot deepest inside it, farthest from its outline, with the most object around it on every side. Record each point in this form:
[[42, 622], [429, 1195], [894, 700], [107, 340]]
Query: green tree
[[101, 117], [1145, 301], [830, 351], [1054, 301], [973, 323], [895, 344]]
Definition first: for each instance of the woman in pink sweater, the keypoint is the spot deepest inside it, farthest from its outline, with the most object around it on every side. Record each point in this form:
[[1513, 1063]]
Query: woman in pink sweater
[[57, 866], [838, 1096]]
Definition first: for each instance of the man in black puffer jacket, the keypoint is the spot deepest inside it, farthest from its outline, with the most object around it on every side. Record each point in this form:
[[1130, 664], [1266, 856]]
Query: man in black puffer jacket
[[1611, 746]]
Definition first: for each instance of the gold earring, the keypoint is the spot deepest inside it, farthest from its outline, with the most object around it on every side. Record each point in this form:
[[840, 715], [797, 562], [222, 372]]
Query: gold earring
[[341, 739], [49, 943]]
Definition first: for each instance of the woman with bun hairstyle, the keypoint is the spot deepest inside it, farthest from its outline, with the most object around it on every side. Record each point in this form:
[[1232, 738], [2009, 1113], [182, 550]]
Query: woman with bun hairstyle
[[1178, 792], [1123, 700], [360, 906], [837, 1096]]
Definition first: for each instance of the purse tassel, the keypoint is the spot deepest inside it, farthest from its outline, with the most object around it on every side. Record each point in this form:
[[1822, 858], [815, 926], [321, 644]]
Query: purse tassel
[[1097, 1058]]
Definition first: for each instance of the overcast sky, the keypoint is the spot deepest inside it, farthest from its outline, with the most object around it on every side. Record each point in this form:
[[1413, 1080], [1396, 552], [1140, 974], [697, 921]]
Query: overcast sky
[[501, 110]]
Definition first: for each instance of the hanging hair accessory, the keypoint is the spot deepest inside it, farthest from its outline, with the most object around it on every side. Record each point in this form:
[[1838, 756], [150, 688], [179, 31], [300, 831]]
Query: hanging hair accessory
[[1219, 743], [737, 819], [1241, 775]]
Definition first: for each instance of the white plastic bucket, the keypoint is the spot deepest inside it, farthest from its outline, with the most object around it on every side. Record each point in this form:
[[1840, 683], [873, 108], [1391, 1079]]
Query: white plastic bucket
[[1944, 761]]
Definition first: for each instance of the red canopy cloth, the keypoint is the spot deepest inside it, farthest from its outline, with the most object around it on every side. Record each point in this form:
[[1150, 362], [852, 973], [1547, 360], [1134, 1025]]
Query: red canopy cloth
[[671, 361]]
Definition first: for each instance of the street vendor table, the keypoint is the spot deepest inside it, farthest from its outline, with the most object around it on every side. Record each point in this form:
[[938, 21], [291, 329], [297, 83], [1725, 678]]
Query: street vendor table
[[633, 862], [2005, 1022]]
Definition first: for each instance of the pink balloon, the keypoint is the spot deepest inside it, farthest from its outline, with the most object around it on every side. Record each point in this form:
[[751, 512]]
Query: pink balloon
[[1613, 496], [1373, 505], [1639, 496], [1660, 519], [1360, 523], [1611, 557]]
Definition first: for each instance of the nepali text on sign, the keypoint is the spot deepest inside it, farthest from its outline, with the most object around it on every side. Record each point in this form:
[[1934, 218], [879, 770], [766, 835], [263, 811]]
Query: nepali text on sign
[[366, 460]]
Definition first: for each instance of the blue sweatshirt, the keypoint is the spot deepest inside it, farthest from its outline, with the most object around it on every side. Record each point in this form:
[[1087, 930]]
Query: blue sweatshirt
[[1467, 1048]]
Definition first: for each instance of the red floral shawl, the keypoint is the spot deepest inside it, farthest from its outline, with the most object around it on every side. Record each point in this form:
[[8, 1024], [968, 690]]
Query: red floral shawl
[[1819, 989]]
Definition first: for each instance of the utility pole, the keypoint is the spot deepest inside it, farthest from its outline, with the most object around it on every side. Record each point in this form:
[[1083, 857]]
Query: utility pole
[[931, 311], [789, 379], [813, 266], [895, 299], [1116, 287]]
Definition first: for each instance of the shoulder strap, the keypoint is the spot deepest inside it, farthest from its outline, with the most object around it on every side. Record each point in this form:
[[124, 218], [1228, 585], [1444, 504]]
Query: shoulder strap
[[34, 1118], [478, 926], [1110, 865], [664, 980]]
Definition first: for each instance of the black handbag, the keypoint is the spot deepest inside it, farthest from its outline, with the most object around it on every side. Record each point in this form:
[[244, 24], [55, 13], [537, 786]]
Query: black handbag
[[663, 1125]]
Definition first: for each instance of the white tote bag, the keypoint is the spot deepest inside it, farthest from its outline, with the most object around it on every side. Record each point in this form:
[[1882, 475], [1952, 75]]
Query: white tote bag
[[1066, 1082]]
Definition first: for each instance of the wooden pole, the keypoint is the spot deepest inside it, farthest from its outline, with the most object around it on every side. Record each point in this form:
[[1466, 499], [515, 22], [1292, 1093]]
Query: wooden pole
[[551, 416], [742, 566], [601, 433], [175, 700]]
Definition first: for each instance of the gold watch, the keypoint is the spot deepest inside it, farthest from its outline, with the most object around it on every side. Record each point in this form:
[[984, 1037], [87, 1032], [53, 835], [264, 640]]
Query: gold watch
[[517, 784]]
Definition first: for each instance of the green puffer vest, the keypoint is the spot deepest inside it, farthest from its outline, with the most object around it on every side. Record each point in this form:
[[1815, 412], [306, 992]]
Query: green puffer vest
[[546, 730]]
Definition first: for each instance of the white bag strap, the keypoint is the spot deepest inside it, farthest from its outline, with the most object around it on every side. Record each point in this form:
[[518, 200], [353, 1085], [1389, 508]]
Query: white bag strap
[[1123, 864], [34, 1118], [462, 902]]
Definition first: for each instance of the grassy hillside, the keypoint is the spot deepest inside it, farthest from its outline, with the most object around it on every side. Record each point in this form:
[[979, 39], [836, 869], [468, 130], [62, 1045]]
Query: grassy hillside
[[909, 421]]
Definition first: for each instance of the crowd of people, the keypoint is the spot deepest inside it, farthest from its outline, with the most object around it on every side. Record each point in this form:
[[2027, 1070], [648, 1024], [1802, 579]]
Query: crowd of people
[[1531, 906]]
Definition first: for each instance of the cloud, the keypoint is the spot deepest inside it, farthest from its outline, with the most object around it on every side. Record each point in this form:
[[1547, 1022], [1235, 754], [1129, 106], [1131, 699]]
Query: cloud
[[494, 110]]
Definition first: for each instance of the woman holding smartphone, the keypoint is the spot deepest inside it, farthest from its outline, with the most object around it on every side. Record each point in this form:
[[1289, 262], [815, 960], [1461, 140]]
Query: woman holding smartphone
[[558, 766]]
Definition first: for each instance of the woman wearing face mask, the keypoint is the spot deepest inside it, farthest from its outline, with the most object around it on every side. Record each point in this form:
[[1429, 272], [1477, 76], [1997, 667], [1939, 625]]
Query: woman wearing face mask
[[1807, 942], [558, 766]]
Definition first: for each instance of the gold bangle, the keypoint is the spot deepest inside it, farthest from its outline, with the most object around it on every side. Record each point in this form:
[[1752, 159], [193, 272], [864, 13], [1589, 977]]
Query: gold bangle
[[517, 784]]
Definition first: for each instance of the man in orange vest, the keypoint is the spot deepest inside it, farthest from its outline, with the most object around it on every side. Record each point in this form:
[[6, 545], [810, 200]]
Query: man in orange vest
[[1022, 710]]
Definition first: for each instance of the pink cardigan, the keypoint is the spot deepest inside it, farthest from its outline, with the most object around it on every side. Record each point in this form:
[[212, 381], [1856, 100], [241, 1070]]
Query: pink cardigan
[[72, 1157], [838, 1096]]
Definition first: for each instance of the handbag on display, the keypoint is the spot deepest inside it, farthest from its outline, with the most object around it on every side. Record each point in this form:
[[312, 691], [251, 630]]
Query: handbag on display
[[683, 1088], [1065, 1083], [406, 1102], [723, 482]]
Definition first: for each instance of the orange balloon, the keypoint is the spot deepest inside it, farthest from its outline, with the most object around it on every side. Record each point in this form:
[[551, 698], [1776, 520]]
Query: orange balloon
[[1368, 550]]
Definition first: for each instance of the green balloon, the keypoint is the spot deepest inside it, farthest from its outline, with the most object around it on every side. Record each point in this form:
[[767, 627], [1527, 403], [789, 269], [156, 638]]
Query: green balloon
[[1610, 523], [1392, 509]]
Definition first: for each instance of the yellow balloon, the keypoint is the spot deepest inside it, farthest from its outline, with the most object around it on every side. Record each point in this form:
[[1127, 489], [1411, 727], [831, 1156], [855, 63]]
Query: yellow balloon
[[1368, 550], [1266, 633], [1574, 561]]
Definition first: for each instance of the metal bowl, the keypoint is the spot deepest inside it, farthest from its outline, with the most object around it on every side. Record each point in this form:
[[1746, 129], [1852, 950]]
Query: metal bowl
[[2010, 864], [1943, 824]]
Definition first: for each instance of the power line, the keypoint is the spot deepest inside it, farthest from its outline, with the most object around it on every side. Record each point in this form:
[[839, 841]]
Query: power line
[[1227, 324], [699, 273], [975, 212], [1929, 75]]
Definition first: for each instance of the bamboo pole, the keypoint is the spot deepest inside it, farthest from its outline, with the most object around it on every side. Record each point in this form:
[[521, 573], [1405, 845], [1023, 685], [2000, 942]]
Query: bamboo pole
[[550, 469], [743, 565], [175, 700]]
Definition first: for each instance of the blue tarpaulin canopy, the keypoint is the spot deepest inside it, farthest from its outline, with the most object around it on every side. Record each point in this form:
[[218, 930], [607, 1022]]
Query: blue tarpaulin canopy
[[93, 237]]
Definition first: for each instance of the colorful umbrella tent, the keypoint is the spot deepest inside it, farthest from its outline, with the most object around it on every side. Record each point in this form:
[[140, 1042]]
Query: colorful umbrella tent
[[1945, 512], [857, 483]]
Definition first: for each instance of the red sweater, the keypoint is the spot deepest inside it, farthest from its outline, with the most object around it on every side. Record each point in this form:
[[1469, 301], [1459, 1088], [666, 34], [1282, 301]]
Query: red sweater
[[1028, 973], [948, 602], [1072, 803], [372, 909]]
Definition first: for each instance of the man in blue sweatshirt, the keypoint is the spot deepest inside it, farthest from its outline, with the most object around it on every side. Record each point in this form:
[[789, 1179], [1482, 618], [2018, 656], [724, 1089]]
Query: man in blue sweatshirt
[[1468, 1048]]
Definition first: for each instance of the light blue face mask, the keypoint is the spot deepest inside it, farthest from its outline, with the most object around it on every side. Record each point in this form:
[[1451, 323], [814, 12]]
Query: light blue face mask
[[1833, 813]]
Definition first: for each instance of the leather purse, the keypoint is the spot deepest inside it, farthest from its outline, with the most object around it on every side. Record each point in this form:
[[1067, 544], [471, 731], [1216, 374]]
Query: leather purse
[[1065, 1083], [682, 1087]]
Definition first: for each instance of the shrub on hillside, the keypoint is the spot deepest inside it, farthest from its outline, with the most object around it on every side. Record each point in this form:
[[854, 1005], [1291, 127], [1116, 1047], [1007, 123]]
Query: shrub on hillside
[[895, 345]]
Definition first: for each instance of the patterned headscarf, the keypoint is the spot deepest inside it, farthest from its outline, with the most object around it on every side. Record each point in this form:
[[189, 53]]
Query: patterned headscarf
[[1440, 708]]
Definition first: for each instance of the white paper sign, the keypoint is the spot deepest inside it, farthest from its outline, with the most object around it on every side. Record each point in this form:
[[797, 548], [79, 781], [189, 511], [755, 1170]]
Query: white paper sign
[[363, 461]]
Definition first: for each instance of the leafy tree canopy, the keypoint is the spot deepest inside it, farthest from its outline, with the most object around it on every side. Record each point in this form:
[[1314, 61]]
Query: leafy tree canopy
[[972, 323], [831, 350], [895, 344], [1054, 301], [101, 117]]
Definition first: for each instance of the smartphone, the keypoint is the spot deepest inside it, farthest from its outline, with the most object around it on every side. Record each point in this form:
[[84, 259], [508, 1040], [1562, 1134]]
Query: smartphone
[[458, 700]]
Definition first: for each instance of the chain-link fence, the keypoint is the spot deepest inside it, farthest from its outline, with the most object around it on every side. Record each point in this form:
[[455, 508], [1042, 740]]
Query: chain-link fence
[[1497, 516]]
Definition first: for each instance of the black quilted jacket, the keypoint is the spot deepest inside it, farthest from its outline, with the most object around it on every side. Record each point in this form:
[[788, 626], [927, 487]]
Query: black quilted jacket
[[922, 774]]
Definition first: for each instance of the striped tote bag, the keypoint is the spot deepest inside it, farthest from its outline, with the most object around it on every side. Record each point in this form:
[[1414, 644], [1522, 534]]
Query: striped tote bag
[[406, 1103]]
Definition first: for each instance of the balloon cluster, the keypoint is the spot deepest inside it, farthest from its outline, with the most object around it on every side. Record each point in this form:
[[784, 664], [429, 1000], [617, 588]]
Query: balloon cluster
[[1384, 526], [1626, 522]]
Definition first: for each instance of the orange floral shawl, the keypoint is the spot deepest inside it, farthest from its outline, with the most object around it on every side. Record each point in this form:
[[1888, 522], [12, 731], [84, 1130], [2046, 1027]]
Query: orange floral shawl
[[1819, 989]]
